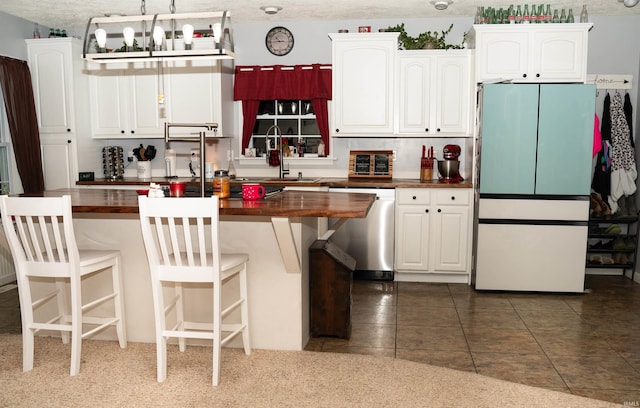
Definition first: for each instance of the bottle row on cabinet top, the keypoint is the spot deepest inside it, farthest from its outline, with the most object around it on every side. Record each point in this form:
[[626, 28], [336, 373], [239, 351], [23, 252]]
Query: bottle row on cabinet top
[[527, 15]]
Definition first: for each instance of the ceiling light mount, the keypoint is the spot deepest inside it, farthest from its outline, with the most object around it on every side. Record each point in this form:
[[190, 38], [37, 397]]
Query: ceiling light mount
[[271, 9], [441, 4], [629, 3]]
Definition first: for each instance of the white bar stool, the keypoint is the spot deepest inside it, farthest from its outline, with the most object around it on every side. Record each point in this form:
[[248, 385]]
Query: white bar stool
[[40, 234], [182, 242]]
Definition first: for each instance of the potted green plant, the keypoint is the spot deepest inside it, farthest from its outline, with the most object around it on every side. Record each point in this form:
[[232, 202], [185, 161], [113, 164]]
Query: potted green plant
[[427, 40]]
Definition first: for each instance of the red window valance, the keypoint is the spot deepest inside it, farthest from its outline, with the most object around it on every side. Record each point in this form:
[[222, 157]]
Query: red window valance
[[266, 83]]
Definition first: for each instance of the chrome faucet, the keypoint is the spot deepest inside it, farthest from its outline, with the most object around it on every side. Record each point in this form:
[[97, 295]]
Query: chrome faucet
[[282, 171]]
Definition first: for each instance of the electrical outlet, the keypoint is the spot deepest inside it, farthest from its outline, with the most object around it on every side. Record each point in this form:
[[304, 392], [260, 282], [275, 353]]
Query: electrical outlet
[[395, 155], [130, 156]]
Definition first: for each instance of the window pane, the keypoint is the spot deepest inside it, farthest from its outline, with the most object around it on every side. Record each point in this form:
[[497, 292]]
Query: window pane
[[310, 127], [307, 108], [267, 108], [262, 125], [288, 126], [288, 108]]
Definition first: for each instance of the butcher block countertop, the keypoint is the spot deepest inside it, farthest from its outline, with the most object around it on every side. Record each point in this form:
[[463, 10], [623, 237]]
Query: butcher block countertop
[[283, 204], [292, 181]]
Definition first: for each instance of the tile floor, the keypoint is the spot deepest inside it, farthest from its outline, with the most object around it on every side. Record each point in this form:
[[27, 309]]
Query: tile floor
[[584, 344]]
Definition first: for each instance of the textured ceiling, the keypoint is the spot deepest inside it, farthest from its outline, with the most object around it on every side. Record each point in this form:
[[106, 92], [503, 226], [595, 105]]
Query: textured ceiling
[[74, 14]]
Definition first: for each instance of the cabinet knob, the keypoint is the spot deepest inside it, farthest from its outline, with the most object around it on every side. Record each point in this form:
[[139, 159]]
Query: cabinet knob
[[524, 75], [453, 198], [427, 210], [438, 129], [337, 130], [68, 130], [426, 130], [68, 141], [537, 75], [414, 197], [439, 209], [133, 131], [122, 131]]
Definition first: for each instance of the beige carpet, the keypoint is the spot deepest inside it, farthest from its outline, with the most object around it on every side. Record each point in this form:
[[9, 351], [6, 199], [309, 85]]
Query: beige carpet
[[112, 377]]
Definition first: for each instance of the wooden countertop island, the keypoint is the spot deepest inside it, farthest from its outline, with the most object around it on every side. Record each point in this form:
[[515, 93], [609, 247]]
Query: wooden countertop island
[[276, 232], [289, 203]]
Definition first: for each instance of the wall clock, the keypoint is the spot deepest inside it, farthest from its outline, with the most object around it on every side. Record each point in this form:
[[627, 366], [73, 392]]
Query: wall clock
[[279, 41]]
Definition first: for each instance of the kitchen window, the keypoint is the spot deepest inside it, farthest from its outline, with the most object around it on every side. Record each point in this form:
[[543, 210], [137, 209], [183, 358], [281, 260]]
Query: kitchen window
[[292, 97], [297, 121]]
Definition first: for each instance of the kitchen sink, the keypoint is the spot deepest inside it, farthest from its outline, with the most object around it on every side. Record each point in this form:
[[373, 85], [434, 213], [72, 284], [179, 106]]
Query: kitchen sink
[[295, 179]]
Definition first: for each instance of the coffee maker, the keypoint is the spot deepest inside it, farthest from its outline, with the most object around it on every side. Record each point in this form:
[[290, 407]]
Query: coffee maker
[[449, 168]]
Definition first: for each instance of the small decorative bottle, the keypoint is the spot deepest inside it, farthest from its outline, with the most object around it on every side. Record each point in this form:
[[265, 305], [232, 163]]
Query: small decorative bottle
[[555, 18], [512, 16], [570, 18], [584, 17], [526, 16], [518, 15], [36, 31], [563, 16], [547, 14], [479, 19]]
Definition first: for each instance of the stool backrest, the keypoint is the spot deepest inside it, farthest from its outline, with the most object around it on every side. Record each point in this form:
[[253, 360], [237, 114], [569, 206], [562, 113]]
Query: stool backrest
[[40, 233], [181, 237]]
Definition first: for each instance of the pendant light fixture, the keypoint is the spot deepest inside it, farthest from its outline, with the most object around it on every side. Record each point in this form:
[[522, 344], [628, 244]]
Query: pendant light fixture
[[149, 30]]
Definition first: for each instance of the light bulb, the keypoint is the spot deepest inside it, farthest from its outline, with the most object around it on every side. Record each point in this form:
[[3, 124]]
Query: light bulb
[[129, 34], [187, 34], [158, 36], [101, 39], [217, 31]]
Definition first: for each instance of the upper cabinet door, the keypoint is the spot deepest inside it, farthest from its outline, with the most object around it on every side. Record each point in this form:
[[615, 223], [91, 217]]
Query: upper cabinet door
[[434, 93], [508, 139], [51, 69], [560, 55], [415, 92], [500, 56], [531, 52], [125, 103], [363, 79], [565, 139], [453, 103]]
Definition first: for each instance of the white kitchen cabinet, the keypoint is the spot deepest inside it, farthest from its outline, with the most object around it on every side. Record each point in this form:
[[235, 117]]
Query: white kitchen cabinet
[[435, 92], [531, 52], [433, 235], [58, 90], [363, 84], [198, 92], [56, 155], [124, 102]]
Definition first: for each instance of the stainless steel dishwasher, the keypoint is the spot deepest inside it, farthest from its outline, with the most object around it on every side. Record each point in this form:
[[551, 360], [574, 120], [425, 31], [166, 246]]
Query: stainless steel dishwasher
[[370, 241]]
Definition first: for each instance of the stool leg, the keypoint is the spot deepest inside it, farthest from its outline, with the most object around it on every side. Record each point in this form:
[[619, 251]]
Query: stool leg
[[182, 342], [161, 341], [217, 330], [118, 303], [244, 311], [63, 306], [76, 326]]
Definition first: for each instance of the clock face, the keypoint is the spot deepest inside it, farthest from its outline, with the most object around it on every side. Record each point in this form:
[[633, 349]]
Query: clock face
[[279, 41]]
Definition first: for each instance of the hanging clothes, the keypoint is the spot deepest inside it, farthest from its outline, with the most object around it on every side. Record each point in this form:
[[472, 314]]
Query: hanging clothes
[[628, 113], [601, 182], [597, 136], [623, 164]]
